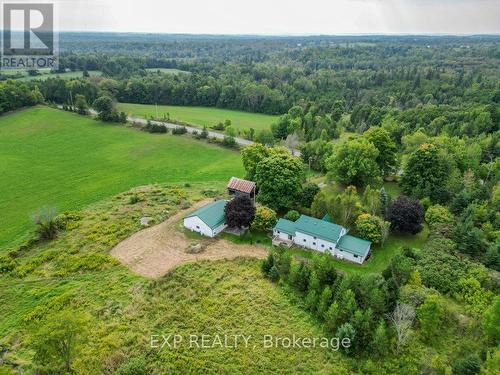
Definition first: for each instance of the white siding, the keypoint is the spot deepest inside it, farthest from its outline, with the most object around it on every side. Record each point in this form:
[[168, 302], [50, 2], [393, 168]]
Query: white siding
[[282, 235], [219, 229], [308, 241], [195, 224], [348, 256]]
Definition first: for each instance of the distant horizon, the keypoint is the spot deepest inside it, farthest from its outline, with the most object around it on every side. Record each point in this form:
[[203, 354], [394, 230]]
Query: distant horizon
[[281, 17], [497, 34]]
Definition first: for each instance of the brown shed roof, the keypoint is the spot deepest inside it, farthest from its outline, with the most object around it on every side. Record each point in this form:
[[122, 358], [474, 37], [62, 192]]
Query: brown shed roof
[[244, 186]]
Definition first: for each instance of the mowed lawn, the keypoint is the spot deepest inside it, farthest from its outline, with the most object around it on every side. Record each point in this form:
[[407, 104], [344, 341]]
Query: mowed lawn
[[50, 157], [201, 116]]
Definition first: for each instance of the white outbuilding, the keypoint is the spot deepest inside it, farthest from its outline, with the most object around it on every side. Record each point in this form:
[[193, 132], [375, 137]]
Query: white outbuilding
[[207, 220]]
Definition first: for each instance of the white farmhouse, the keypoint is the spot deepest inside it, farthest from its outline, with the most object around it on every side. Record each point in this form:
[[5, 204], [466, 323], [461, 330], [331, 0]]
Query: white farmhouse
[[207, 220], [323, 236]]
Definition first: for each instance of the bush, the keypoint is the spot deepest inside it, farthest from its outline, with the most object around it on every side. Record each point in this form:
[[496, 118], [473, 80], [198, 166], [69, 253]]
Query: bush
[[135, 198], [219, 127], [292, 215], [406, 215], [135, 366], [267, 264], [265, 219], [179, 130], [46, 223], [469, 365], [204, 133], [274, 274], [7, 264], [155, 128], [370, 227], [229, 141], [438, 214]]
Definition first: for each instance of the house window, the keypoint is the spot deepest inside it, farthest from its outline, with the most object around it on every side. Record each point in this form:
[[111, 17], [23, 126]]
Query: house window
[[304, 240], [278, 231], [355, 256], [330, 248], [322, 245], [314, 243], [314, 237], [197, 227], [289, 236]]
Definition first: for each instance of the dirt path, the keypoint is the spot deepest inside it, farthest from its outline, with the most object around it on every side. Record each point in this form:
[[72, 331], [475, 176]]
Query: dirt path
[[154, 251]]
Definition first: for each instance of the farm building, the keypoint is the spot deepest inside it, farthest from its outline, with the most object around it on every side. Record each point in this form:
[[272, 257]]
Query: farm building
[[323, 236], [207, 220], [238, 186]]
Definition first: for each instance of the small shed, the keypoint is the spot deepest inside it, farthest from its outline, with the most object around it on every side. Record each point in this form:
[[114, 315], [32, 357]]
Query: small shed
[[238, 186]]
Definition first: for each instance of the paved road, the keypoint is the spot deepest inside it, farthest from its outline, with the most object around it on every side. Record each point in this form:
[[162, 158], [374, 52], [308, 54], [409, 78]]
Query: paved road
[[190, 129]]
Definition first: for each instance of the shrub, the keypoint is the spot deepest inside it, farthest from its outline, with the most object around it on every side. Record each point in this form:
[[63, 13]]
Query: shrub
[[204, 133], [370, 227], [134, 366], [265, 219], [219, 126], [267, 264], [346, 331], [179, 130], [438, 214], [7, 264], [274, 274], [469, 365], [155, 128], [46, 223], [135, 198], [406, 215], [292, 215], [229, 141]]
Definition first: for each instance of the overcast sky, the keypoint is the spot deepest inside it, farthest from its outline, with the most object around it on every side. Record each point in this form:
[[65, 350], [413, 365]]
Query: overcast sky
[[282, 16]]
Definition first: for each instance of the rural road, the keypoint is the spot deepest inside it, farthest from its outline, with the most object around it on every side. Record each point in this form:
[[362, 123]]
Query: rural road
[[190, 129]]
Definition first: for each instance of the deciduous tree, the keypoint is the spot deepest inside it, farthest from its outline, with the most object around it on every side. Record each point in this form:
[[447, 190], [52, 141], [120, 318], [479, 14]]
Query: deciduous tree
[[239, 212]]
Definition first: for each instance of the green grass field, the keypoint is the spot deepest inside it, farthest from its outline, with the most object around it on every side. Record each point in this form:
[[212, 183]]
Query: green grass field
[[45, 74], [50, 157], [66, 75], [167, 71], [201, 116]]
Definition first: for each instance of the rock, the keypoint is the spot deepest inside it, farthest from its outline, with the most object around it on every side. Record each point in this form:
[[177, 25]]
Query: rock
[[145, 221], [195, 249]]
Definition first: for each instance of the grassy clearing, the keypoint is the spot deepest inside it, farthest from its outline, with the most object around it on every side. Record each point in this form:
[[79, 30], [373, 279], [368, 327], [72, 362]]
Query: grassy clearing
[[61, 159], [125, 310], [201, 116], [167, 71], [67, 75], [381, 255]]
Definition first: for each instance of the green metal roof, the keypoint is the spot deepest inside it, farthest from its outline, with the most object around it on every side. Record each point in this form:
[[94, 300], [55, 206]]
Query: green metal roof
[[354, 245], [318, 228], [285, 226], [327, 218], [212, 214]]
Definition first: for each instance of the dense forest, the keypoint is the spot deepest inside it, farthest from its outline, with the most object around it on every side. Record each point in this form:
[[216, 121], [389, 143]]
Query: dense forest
[[422, 112]]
